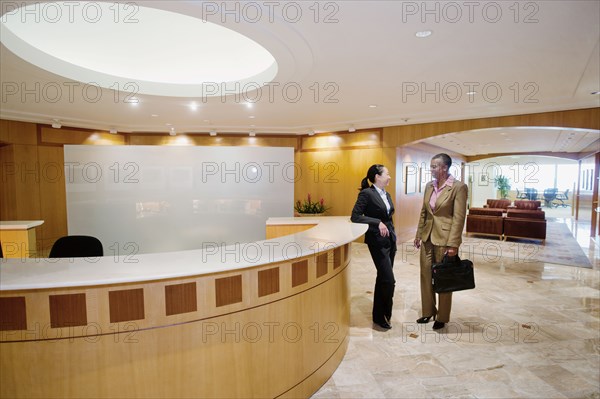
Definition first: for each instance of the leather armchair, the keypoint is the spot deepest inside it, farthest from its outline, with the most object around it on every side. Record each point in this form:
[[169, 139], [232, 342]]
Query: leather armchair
[[525, 223], [486, 221]]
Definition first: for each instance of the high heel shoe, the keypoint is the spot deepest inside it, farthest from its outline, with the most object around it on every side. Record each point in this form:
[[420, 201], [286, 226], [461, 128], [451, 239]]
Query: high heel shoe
[[425, 320], [438, 324]]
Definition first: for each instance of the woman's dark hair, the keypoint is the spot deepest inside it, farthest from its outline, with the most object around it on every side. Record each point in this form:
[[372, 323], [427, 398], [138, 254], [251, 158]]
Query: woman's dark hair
[[446, 160], [376, 169]]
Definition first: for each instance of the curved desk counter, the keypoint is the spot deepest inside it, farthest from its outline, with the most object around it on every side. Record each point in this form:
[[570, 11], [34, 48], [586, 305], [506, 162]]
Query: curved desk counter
[[261, 319]]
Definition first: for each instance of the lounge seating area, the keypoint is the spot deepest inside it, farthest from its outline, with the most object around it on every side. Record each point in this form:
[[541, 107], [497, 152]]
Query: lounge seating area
[[524, 219]]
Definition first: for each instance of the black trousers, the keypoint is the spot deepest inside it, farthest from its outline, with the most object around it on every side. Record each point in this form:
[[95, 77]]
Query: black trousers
[[383, 252]]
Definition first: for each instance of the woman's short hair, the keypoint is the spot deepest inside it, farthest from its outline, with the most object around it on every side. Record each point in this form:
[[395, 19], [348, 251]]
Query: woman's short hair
[[446, 160]]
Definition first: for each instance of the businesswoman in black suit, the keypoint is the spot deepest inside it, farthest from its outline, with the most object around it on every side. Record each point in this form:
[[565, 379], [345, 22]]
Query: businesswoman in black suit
[[375, 207]]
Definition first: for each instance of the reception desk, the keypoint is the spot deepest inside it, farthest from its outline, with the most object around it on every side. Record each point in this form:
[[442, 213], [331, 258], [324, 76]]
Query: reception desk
[[18, 238], [261, 319]]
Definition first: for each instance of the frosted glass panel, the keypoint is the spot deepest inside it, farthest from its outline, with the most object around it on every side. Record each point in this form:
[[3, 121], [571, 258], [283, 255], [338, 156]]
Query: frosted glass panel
[[142, 199]]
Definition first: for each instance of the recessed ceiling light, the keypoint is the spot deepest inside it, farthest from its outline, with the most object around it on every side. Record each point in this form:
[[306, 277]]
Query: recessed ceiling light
[[154, 115], [193, 106], [423, 33], [249, 105], [252, 117], [470, 93], [372, 106], [134, 101]]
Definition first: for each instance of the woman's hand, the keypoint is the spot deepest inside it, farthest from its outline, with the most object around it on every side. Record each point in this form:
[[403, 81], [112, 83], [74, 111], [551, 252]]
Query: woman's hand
[[417, 243], [383, 230], [451, 251]]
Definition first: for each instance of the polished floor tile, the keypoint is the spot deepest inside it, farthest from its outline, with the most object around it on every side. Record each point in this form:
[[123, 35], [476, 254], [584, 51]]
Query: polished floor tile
[[528, 330]]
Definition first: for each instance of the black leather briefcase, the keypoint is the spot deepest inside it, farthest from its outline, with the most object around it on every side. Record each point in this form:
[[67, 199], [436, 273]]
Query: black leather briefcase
[[453, 274]]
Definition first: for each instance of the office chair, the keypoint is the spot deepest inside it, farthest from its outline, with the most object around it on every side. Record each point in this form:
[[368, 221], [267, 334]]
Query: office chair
[[549, 196], [531, 194], [521, 195], [76, 247], [562, 197]]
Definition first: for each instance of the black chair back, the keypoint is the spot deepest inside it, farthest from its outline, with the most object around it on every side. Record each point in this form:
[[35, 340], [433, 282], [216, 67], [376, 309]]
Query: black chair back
[[76, 247], [1, 254]]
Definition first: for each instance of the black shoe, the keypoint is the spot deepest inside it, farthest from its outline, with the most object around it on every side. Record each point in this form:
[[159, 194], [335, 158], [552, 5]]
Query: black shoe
[[425, 320], [438, 324], [383, 324]]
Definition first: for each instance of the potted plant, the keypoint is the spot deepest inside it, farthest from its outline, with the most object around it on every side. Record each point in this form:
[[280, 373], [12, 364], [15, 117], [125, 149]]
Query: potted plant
[[503, 185], [310, 208]]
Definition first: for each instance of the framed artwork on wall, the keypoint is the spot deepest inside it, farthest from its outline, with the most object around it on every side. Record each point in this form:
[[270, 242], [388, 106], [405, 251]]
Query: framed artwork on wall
[[483, 179]]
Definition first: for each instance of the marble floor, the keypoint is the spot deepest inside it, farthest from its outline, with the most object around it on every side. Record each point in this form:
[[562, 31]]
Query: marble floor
[[529, 330]]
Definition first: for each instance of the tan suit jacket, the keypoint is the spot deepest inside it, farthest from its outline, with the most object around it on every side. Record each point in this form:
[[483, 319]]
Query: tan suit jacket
[[444, 226]]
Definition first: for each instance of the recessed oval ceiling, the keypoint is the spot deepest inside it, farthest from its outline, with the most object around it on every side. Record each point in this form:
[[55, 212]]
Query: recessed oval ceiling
[[112, 44]]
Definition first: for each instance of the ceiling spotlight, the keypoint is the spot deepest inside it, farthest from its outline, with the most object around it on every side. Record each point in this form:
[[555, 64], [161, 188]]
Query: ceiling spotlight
[[311, 132], [213, 133], [193, 106], [352, 129], [423, 33], [113, 131], [56, 124], [252, 133], [372, 106], [249, 104], [172, 132]]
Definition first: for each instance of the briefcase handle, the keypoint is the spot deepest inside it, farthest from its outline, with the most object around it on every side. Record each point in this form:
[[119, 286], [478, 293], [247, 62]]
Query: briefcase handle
[[451, 260]]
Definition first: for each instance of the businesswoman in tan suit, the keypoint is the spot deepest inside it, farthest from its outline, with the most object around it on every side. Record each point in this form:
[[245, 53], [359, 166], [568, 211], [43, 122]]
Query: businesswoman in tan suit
[[439, 233], [375, 207]]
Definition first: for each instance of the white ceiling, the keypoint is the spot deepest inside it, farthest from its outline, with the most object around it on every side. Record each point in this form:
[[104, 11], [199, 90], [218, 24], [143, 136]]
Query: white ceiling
[[336, 62]]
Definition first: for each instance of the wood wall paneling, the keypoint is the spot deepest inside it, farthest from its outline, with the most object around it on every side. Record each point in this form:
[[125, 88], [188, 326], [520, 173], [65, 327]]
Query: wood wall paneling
[[206, 140], [79, 136], [14, 132], [53, 200]]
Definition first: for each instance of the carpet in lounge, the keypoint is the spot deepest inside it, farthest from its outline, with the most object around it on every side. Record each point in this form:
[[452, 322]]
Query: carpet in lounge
[[561, 248]]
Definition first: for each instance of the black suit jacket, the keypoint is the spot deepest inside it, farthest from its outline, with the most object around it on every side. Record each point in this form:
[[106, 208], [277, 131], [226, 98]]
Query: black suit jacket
[[371, 209]]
